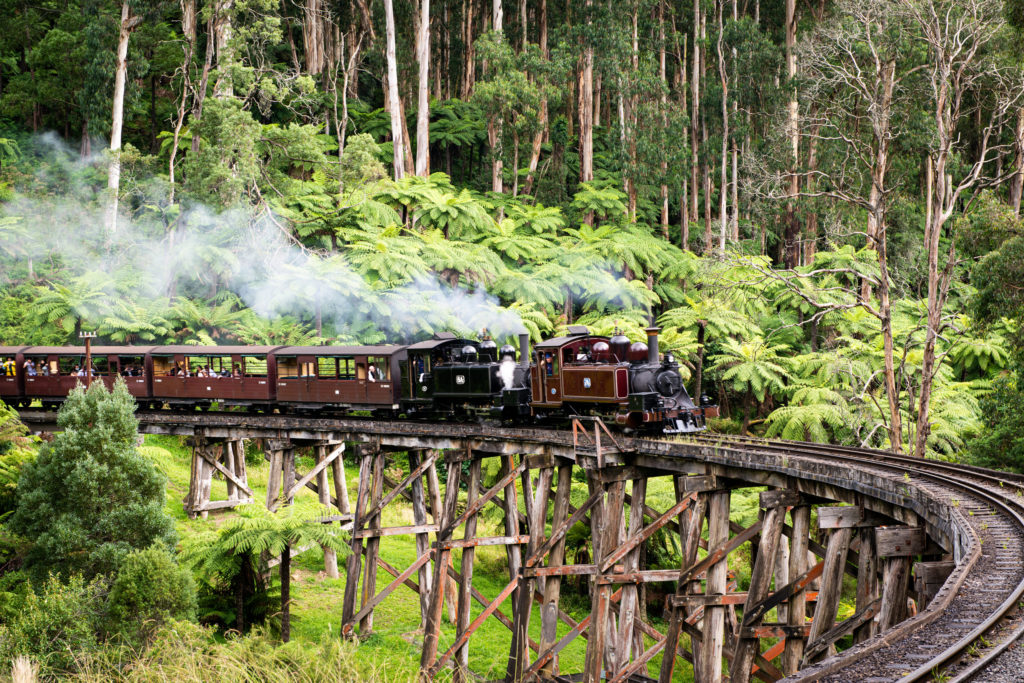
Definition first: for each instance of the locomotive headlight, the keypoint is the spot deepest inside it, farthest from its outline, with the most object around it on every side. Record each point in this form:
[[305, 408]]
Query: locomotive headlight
[[669, 358]]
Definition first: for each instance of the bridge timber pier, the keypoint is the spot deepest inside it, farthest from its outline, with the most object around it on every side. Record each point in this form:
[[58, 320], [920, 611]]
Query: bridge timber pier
[[935, 550]]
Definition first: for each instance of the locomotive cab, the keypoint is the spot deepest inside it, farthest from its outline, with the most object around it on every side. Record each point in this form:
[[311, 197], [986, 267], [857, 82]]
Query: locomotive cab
[[451, 374]]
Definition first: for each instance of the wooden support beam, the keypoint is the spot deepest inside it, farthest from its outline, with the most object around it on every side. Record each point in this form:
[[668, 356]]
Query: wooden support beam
[[797, 609], [462, 639], [395, 531], [900, 541], [848, 517], [820, 645], [760, 579], [420, 519], [521, 539], [372, 540], [354, 567], [478, 503], [399, 580], [867, 582], [831, 583], [714, 616], [519, 652], [722, 550], [462, 624], [317, 469], [895, 577], [929, 578], [274, 478], [433, 631], [643, 535], [775, 630], [556, 548], [558, 534], [787, 592], [414, 475], [628, 604], [324, 496], [702, 599], [690, 542]]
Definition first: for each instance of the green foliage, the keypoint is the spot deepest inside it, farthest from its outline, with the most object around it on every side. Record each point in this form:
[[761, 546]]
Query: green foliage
[[56, 625], [150, 589], [1000, 443], [17, 449], [90, 498], [225, 169]]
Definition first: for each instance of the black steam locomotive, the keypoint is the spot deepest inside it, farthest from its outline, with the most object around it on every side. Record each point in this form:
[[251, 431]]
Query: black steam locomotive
[[577, 374]]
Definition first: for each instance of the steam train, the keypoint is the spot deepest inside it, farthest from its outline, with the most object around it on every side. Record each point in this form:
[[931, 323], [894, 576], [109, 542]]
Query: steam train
[[576, 374]]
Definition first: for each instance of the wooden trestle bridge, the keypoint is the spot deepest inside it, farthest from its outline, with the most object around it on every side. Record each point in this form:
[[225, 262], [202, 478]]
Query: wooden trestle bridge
[[935, 550]]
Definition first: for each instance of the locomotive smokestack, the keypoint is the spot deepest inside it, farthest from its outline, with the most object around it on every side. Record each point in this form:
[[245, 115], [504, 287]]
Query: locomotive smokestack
[[524, 349], [652, 344]]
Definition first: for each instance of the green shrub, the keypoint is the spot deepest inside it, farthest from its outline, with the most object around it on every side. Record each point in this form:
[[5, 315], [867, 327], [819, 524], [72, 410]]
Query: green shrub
[[56, 625], [150, 589], [89, 499]]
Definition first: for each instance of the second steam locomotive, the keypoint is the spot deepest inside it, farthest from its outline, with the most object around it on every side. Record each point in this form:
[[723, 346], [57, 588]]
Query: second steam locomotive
[[576, 374]]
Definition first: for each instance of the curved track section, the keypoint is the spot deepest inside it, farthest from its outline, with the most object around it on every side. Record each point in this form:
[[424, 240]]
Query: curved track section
[[976, 515], [962, 640]]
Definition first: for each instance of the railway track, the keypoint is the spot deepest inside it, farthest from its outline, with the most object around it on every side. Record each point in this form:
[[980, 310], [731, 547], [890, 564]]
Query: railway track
[[970, 639], [978, 628]]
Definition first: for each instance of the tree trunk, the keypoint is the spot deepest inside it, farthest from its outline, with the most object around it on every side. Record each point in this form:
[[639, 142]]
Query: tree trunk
[[634, 103], [224, 86], [695, 118], [495, 126], [286, 597], [423, 102], [128, 24], [397, 125], [469, 67], [1017, 182], [542, 124], [723, 198], [586, 112], [698, 372], [791, 241], [313, 36], [664, 115]]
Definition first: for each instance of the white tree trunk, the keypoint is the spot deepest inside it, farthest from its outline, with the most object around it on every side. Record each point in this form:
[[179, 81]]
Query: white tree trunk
[[396, 109], [224, 86], [128, 24], [423, 102]]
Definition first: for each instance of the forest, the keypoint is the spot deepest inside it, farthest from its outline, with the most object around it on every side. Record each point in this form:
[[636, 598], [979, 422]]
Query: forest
[[819, 202]]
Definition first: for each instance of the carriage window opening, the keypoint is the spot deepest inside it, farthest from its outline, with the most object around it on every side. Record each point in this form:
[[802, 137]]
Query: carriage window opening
[[100, 365], [162, 365], [360, 370], [70, 365], [287, 368], [327, 368], [198, 365], [379, 370], [255, 366], [307, 369], [131, 366], [347, 368]]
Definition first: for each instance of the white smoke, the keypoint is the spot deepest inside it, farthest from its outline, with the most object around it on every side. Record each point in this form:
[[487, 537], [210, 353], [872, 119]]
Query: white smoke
[[507, 370], [158, 254]]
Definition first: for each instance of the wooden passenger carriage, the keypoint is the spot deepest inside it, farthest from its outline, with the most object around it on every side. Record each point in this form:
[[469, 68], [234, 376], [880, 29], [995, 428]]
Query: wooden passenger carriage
[[57, 366], [355, 377], [238, 374]]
